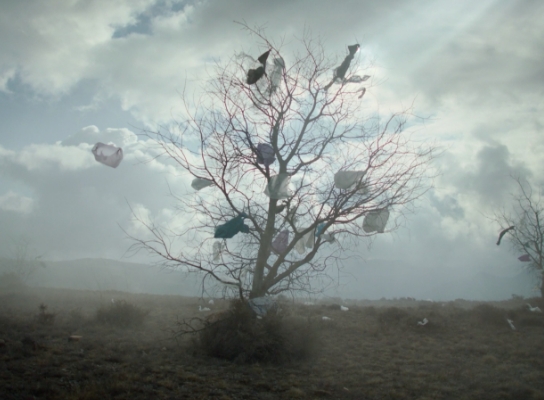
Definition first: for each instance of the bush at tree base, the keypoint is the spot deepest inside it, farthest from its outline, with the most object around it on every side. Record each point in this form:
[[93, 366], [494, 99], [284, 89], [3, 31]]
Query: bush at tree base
[[242, 337]]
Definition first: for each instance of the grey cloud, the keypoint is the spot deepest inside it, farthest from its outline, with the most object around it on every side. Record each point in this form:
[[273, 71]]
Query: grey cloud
[[500, 52], [489, 178]]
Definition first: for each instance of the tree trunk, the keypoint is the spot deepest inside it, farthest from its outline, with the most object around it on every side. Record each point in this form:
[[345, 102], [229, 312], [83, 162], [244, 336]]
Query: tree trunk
[[542, 285]]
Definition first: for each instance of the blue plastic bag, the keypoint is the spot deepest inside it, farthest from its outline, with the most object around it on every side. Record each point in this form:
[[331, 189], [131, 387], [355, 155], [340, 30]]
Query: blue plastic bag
[[232, 227]]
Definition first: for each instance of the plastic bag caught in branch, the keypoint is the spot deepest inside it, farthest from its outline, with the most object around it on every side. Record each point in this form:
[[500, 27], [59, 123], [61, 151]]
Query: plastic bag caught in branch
[[280, 243], [339, 73], [263, 305], [275, 75], [265, 154], [278, 187], [346, 179], [108, 154], [305, 242], [375, 221], [524, 258], [232, 227], [319, 229], [218, 248], [253, 75], [199, 183]]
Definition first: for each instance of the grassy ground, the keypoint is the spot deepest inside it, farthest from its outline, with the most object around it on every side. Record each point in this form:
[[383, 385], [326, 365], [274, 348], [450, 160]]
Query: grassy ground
[[376, 350]]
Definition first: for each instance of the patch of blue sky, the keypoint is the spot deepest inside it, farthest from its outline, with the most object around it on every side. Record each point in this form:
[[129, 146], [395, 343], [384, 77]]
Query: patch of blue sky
[[143, 24], [27, 118]]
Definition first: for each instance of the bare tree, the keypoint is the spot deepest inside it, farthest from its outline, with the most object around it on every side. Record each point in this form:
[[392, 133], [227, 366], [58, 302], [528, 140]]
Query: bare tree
[[523, 225], [314, 129]]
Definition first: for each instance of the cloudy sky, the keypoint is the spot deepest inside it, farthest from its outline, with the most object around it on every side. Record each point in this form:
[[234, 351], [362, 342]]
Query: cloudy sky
[[73, 73]]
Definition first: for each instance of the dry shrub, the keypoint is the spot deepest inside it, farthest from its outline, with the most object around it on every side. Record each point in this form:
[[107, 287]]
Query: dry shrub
[[531, 320], [393, 315], [241, 337], [486, 314], [121, 314], [45, 317], [370, 311], [11, 281]]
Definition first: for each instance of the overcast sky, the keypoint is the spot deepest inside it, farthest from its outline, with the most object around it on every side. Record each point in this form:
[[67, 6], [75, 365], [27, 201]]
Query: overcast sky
[[73, 73]]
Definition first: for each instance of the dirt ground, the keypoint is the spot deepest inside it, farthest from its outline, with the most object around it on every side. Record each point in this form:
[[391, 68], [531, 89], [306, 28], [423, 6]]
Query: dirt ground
[[375, 350]]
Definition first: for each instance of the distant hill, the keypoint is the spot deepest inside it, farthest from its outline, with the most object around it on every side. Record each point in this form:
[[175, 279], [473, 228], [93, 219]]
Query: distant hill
[[372, 279], [104, 274], [378, 278]]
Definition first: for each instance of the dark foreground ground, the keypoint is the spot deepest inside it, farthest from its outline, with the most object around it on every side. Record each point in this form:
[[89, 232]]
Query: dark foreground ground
[[375, 350]]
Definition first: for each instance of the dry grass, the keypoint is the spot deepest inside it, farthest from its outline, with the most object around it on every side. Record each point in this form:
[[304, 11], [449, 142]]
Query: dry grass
[[373, 351]]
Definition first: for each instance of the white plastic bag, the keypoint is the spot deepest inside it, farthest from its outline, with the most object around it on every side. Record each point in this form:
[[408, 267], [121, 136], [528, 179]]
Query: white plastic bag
[[108, 154], [346, 179], [275, 75], [375, 221], [278, 187], [218, 247], [305, 242], [199, 183]]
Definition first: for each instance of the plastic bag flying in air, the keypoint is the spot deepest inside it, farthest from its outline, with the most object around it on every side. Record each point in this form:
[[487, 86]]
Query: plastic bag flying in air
[[278, 187], [280, 243], [346, 179], [232, 227], [199, 183], [375, 221], [265, 154], [108, 154], [524, 258]]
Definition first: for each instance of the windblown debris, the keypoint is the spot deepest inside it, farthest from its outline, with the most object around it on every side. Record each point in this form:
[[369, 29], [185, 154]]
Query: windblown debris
[[278, 186], [265, 154], [199, 183], [339, 73], [108, 154], [346, 179], [263, 305], [375, 221], [232, 227], [503, 232], [280, 243], [253, 75], [423, 323]]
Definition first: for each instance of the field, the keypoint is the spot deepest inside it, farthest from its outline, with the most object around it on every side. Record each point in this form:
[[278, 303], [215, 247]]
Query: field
[[376, 350]]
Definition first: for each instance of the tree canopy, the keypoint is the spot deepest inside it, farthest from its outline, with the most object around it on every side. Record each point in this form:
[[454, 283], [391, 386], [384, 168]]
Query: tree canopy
[[288, 171]]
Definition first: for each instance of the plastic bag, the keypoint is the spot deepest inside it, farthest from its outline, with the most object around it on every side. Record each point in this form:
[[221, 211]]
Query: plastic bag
[[305, 242], [232, 227], [524, 258], [328, 237], [275, 75], [217, 250], [199, 183], [278, 187], [263, 305], [108, 154], [319, 229], [375, 221], [265, 154], [280, 243], [346, 179], [253, 75]]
